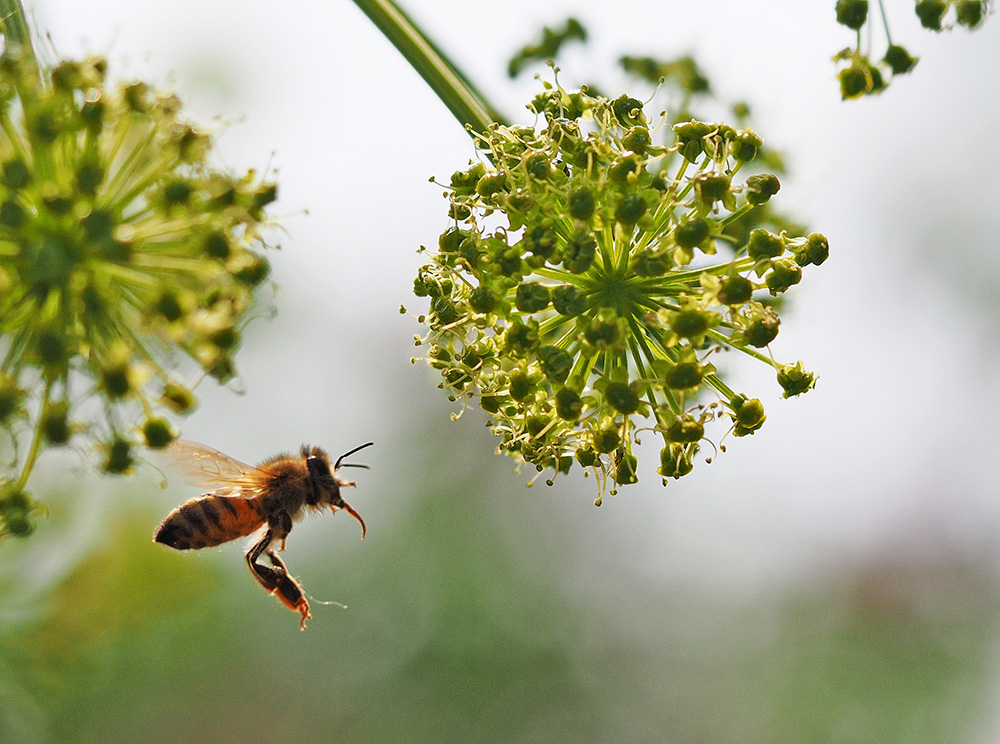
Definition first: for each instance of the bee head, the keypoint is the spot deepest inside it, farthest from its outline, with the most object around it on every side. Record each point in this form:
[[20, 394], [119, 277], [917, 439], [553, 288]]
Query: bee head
[[325, 486]]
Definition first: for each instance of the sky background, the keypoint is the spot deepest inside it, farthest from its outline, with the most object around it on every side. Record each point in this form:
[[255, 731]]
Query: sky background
[[891, 460]]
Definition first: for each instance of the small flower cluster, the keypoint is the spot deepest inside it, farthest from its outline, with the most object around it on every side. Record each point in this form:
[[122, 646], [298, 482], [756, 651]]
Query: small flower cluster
[[118, 244], [864, 77], [574, 292]]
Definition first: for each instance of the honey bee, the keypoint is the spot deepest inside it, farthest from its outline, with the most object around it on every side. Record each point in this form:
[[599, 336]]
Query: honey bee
[[245, 499]]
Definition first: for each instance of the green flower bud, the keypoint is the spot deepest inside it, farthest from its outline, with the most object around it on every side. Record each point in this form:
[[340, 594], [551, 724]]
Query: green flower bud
[[852, 13], [795, 380], [735, 290], [622, 397], [586, 456], [853, 82], [118, 458], [521, 386], [568, 300], [581, 204], [899, 60], [626, 465], [467, 181], [760, 188], [532, 298], [12, 398], [491, 184], [451, 240], [55, 423], [691, 323], [930, 13], [675, 461], [556, 363], [16, 174], [684, 375], [520, 338], [746, 145], [637, 140], [178, 398], [630, 210], [628, 111], [711, 187], [607, 437], [254, 271], [784, 274], [602, 333], [815, 250], [569, 405], [158, 432], [541, 241], [482, 300], [691, 233], [764, 244], [690, 137], [685, 428], [970, 12], [622, 168], [747, 414], [762, 328], [651, 263]]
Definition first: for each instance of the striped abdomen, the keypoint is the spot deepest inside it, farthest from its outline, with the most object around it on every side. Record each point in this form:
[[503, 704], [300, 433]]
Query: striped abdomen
[[208, 521]]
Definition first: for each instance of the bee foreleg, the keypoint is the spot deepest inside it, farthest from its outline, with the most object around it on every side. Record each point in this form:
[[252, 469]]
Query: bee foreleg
[[277, 580]]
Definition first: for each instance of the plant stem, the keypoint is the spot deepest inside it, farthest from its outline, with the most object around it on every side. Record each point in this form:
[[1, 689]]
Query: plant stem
[[450, 84], [36, 440], [16, 31]]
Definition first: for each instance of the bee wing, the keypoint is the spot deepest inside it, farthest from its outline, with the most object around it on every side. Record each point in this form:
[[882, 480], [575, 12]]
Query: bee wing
[[212, 468]]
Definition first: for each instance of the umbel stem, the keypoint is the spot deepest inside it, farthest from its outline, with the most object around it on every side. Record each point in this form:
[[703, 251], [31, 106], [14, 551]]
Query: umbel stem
[[450, 84], [15, 28]]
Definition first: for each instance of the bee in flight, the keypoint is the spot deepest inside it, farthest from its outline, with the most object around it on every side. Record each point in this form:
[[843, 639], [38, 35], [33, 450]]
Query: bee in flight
[[245, 498]]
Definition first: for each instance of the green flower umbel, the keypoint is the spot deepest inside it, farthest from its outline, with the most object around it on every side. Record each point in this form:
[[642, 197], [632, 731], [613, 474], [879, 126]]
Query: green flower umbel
[[118, 245], [575, 294]]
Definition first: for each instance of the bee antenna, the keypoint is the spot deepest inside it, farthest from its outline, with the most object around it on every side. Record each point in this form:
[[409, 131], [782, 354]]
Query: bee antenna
[[340, 460]]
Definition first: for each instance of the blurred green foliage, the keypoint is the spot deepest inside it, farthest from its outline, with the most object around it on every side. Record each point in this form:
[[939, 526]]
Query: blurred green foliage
[[456, 633]]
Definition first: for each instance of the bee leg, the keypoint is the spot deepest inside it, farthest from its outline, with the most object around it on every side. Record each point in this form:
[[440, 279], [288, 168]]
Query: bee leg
[[276, 580]]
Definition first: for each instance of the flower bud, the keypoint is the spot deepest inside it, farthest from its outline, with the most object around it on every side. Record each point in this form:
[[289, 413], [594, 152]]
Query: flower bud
[[569, 405], [899, 60], [795, 380], [158, 432], [852, 13], [761, 187], [747, 414], [930, 13]]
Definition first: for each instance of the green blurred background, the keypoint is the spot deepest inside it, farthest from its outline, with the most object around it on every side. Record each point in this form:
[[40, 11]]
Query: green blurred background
[[832, 579]]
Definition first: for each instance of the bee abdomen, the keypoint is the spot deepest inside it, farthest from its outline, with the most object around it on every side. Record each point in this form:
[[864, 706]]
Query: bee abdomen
[[208, 521]]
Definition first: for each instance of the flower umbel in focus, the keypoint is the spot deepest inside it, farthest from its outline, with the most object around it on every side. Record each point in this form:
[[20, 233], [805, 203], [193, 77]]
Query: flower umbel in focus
[[119, 246], [576, 293]]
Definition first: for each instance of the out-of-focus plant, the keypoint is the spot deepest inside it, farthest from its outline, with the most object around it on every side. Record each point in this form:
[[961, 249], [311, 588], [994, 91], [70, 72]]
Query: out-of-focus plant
[[120, 246], [549, 46], [863, 76]]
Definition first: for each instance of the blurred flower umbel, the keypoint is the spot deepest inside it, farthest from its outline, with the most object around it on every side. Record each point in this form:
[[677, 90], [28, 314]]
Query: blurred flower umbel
[[119, 244], [574, 294]]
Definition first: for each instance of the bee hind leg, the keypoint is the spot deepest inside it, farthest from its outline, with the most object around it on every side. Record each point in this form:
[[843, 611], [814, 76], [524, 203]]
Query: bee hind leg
[[276, 580]]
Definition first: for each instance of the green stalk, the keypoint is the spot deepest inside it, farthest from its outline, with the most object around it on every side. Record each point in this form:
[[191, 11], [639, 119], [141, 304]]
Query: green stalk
[[16, 32], [450, 84]]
